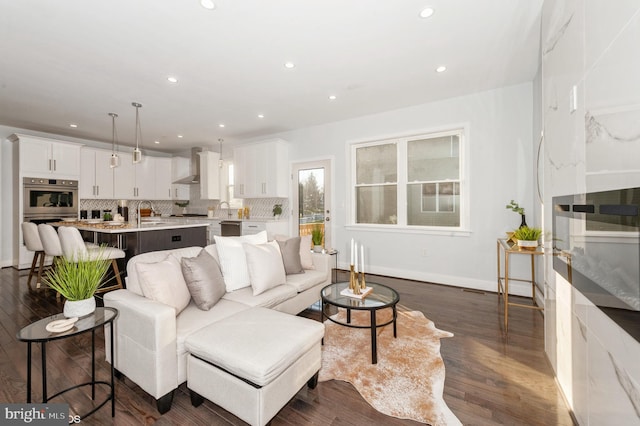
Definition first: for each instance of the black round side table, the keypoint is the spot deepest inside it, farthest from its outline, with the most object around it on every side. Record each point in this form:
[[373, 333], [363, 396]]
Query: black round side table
[[37, 333]]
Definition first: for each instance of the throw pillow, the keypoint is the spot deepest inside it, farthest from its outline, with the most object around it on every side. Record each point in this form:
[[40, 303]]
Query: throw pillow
[[163, 282], [233, 261], [265, 266], [204, 279], [306, 260], [305, 252], [290, 250]]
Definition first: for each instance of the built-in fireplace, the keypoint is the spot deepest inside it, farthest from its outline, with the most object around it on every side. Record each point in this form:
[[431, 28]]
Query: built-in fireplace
[[596, 237]]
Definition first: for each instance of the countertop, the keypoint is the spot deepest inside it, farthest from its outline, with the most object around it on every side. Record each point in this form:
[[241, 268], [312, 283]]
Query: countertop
[[220, 218], [149, 224]]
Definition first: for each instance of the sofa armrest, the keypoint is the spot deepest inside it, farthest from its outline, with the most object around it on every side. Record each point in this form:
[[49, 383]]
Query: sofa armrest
[[322, 262], [145, 341]]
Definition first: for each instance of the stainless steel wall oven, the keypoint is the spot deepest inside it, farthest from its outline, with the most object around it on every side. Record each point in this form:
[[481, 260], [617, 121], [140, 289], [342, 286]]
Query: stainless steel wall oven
[[49, 199]]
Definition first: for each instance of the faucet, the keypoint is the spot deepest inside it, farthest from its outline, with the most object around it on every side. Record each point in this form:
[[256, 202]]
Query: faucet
[[140, 204], [228, 208]]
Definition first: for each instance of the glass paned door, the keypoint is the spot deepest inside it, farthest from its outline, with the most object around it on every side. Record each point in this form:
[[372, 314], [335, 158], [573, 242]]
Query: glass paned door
[[312, 200]]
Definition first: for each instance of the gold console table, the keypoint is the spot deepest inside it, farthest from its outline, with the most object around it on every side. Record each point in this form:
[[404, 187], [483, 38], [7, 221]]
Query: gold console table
[[506, 249]]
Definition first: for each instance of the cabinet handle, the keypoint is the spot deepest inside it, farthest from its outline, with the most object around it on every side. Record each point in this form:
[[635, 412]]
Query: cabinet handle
[[54, 165], [50, 164], [169, 192], [176, 190], [98, 190]]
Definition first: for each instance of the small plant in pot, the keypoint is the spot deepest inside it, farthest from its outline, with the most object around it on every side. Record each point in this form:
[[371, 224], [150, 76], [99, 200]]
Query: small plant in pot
[[527, 237], [277, 210], [78, 282], [317, 234]]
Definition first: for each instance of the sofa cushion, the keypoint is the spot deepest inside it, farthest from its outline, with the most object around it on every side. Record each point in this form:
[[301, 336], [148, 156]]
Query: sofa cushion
[[204, 279], [302, 282], [163, 282], [250, 349], [192, 319], [265, 266], [233, 261], [306, 260], [268, 299], [290, 251]]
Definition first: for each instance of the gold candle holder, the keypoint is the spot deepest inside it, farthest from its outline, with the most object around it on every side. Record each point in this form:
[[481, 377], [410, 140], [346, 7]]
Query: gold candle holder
[[363, 284], [354, 285]]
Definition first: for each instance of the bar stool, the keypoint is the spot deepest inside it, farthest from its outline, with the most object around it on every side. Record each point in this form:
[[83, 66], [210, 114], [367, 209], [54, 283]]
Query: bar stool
[[50, 244], [33, 243], [75, 249]]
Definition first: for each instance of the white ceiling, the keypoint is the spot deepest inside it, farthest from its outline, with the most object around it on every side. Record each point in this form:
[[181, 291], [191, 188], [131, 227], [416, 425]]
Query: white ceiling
[[73, 61]]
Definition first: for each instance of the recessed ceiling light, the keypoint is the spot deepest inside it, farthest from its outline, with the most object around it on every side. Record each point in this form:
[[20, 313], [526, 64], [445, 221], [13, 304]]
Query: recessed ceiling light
[[207, 4], [73, 125], [427, 12], [289, 65], [260, 115], [179, 136], [332, 97], [220, 125], [172, 79], [441, 68], [156, 142]]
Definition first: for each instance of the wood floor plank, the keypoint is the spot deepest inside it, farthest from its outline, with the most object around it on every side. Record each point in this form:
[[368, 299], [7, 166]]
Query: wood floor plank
[[491, 377]]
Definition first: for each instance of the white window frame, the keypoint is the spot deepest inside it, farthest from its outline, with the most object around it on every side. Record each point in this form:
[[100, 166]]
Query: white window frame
[[402, 182]]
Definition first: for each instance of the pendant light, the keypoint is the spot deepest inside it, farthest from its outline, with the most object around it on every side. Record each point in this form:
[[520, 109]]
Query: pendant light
[[137, 154], [114, 161]]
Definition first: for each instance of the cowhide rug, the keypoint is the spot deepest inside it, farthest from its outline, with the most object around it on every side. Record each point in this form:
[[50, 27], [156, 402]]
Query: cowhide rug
[[408, 380]]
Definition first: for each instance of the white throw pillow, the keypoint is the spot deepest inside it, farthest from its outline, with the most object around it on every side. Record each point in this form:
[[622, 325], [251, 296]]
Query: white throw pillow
[[264, 262], [163, 282], [305, 252], [233, 261]]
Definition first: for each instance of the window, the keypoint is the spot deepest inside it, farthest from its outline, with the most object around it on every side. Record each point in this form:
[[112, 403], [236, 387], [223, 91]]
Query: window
[[413, 181]]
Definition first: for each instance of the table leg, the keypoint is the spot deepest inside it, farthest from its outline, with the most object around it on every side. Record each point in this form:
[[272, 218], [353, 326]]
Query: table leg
[[506, 292], [348, 316], [113, 387], [93, 364], [395, 322], [43, 346], [28, 372], [374, 348]]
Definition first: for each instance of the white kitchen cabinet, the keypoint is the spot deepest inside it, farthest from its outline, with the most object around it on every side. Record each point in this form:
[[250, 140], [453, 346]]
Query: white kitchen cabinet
[[209, 175], [47, 158], [179, 170], [135, 181], [96, 176], [273, 227], [163, 178], [261, 170]]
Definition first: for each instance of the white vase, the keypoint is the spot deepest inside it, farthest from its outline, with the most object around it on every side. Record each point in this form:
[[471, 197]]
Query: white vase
[[79, 308], [317, 249], [528, 245]]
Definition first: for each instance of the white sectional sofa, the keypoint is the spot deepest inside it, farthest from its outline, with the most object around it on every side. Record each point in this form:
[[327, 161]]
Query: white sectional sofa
[[150, 337]]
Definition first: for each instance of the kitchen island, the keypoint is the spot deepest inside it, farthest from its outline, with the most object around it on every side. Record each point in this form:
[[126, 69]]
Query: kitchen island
[[153, 234]]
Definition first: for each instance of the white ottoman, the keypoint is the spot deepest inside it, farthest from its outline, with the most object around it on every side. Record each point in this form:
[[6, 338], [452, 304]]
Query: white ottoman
[[253, 362]]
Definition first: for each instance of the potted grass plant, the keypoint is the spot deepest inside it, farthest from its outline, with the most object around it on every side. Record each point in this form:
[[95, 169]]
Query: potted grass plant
[[317, 235], [78, 282], [527, 237]]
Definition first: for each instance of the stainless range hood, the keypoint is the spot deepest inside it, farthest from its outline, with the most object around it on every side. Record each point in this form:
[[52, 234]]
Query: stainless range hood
[[194, 168]]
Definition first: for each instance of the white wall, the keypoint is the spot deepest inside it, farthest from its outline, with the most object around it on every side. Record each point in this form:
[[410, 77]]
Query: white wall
[[592, 45], [500, 169]]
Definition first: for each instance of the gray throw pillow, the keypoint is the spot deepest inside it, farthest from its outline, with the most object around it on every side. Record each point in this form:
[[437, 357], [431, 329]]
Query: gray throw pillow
[[204, 279], [290, 251]]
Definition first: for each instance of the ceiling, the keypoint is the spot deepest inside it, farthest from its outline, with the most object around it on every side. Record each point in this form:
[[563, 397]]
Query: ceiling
[[74, 61]]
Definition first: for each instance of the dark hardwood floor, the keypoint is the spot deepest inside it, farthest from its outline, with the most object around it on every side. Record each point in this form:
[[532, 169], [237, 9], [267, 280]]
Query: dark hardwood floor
[[490, 378]]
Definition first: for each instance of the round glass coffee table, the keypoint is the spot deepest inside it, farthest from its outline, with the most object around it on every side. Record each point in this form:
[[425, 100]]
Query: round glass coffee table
[[381, 297]]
